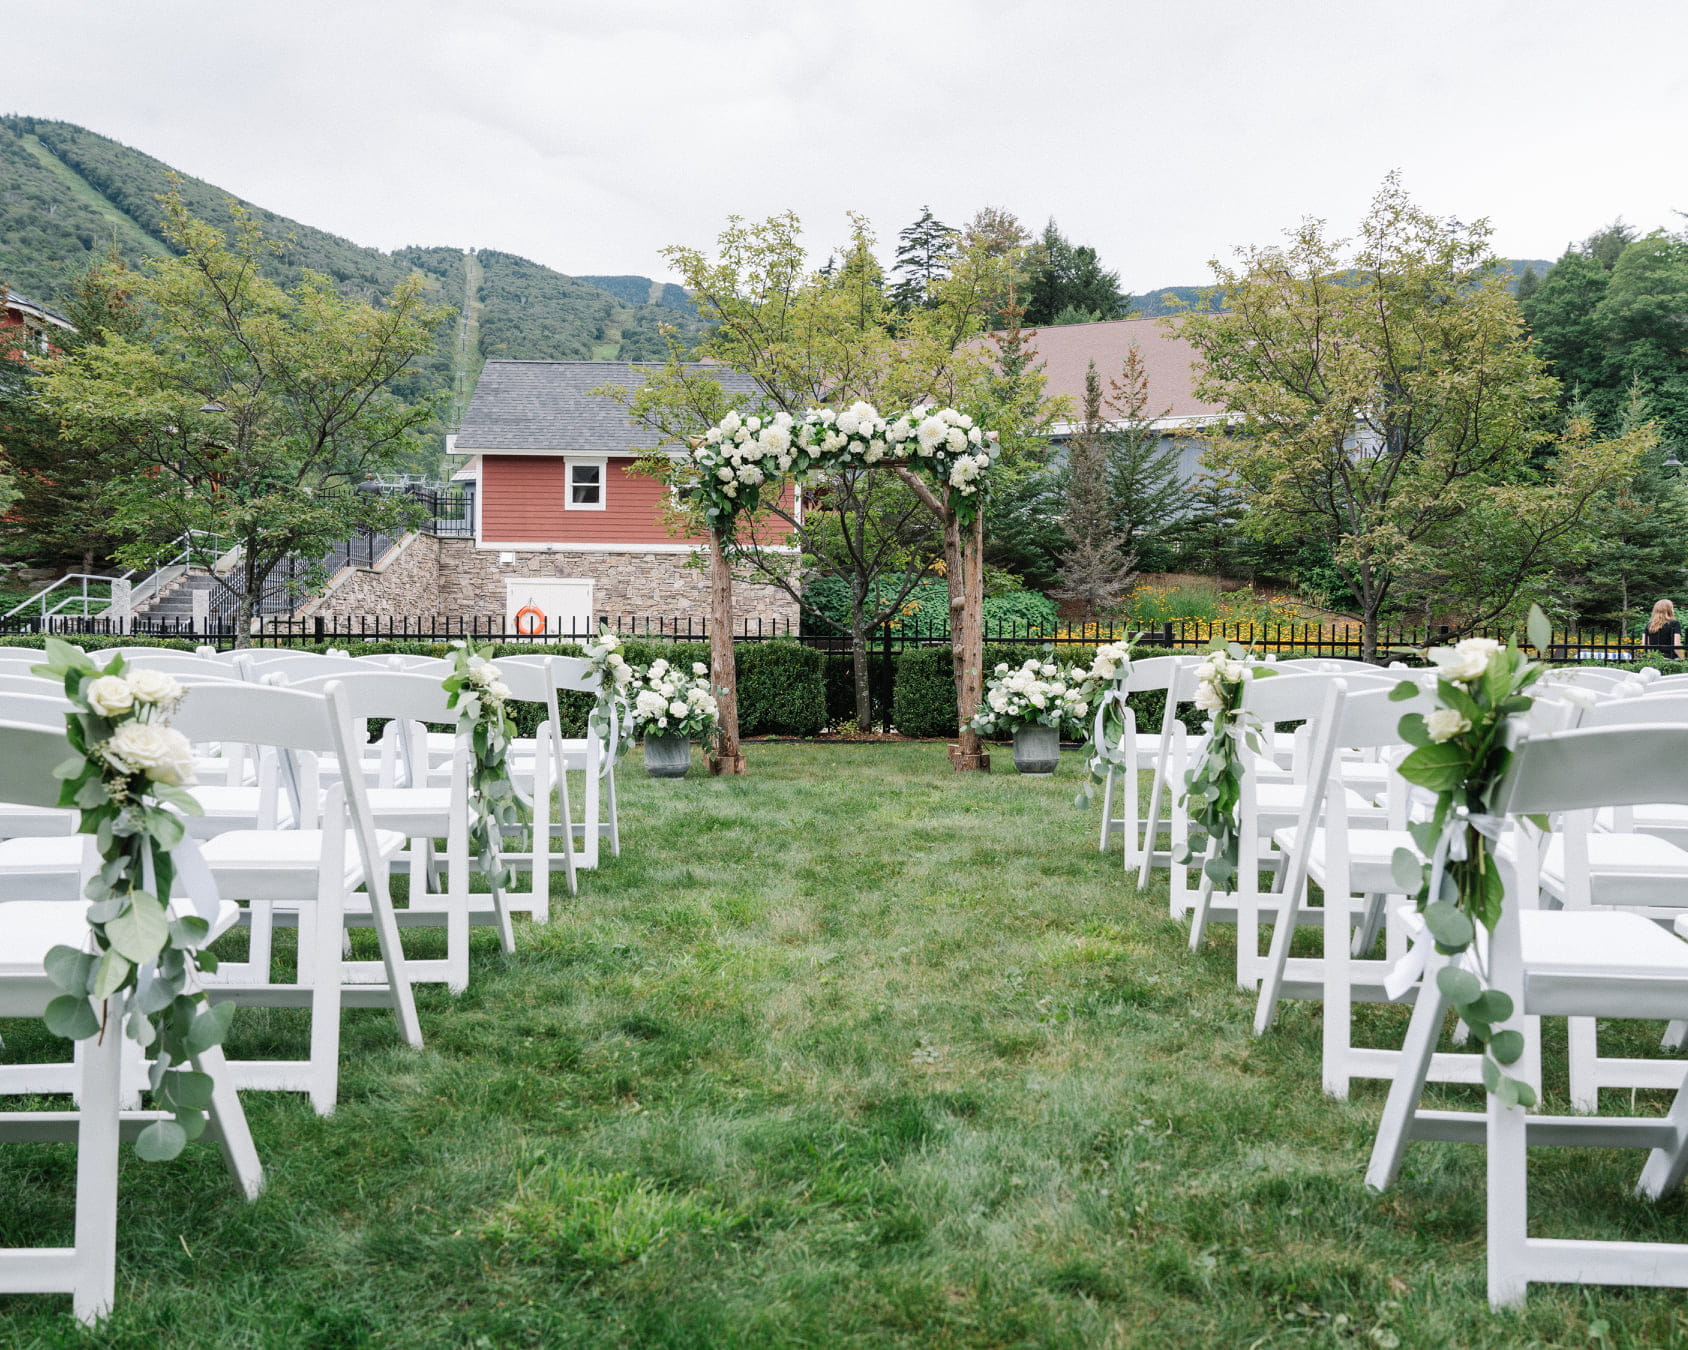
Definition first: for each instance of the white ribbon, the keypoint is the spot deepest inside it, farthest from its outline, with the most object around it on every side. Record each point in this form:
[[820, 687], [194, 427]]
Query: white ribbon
[[1450, 847], [193, 878]]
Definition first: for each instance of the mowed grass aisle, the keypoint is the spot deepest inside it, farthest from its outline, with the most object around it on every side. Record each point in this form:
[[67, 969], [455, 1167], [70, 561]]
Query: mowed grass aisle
[[850, 1052]]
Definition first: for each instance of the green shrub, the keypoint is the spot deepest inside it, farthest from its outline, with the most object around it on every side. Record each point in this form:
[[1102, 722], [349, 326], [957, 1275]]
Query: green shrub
[[1029, 612], [923, 699], [781, 689]]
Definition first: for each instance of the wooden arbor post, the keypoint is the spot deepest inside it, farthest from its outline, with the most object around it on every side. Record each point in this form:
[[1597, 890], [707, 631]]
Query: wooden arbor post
[[723, 666]]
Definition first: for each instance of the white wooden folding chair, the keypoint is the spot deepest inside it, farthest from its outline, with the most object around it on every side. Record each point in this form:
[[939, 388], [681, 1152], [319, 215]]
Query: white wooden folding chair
[[422, 807], [29, 929], [1141, 750], [1561, 963], [587, 755], [1354, 869], [539, 767]]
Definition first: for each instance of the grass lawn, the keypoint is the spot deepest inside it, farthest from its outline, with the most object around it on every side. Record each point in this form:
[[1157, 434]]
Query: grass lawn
[[850, 1052]]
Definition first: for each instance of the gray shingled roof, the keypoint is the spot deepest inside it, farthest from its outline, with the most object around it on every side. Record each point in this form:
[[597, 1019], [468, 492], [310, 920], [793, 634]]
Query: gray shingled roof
[[545, 405]]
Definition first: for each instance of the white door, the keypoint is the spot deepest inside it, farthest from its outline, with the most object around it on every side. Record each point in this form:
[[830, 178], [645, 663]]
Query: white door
[[549, 606]]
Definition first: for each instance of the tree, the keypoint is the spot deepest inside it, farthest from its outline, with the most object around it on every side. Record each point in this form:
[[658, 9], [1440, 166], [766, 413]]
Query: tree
[[1641, 533], [249, 412], [59, 481], [1386, 395], [1098, 568], [1146, 490], [924, 251], [1069, 283]]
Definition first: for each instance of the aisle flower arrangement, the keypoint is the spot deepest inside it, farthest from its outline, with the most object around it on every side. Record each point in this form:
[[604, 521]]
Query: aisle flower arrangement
[[1106, 677], [127, 777], [1036, 693], [1460, 754], [666, 701], [1215, 782], [610, 717], [478, 697]]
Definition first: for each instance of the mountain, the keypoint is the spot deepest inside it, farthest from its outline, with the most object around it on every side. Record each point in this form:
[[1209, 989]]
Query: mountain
[[1177, 299], [68, 194]]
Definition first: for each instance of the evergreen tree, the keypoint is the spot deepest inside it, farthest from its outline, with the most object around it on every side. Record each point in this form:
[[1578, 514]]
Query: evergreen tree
[[924, 252], [1145, 490], [1528, 285], [1023, 528], [1069, 278], [1642, 528], [1098, 568]]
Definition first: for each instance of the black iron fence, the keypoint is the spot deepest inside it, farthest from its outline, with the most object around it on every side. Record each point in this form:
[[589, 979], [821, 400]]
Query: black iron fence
[[1289, 639]]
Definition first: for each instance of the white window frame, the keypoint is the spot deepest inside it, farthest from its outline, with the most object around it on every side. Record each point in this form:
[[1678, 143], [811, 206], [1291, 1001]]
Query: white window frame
[[601, 463]]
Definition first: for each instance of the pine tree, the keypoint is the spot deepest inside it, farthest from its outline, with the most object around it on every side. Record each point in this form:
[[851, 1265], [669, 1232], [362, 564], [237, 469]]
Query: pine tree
[[1098, 568], [1069, 280], [924, 252], [1146, 492]]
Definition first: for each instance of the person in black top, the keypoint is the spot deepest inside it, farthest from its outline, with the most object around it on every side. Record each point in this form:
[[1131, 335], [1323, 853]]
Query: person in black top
[[1664, 634]]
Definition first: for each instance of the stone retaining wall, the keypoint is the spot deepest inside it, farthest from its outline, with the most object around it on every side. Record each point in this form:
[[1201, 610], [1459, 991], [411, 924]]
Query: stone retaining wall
[[429, 577]]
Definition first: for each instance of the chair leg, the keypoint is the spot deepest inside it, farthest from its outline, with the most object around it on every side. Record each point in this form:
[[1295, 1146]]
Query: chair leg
[[326, 987], [1665, 1167], [1583, 1045], [96, 1169], [1675, 1037], [1199, 911], [1508, 1201], [1272, 978], [1107, 810], [1365, 936], [1338, 1015], [615, 819], [1408, 1084], [233, 1135]]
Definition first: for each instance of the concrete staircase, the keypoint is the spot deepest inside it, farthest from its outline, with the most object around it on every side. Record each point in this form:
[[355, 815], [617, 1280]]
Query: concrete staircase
[[173, 606]]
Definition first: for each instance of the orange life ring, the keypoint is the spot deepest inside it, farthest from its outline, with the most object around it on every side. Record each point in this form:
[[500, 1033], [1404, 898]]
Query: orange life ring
[[530, 619]]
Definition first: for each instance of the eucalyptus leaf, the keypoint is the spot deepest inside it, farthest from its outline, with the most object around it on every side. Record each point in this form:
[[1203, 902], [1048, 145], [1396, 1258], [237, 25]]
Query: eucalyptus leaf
[[71, 1016], [1540, 630], [1492, 1075], [1458, 986], [1408, 872], [1507, 1046], [190, 1090], [1448, 925], [141, 931], [161, 1141], [1490, 1007], [68, 969], [111, 973]]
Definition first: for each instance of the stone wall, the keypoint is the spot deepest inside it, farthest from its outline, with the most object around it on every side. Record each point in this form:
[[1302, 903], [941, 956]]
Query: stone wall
[[405, 582], [627, 585], [428, 577]]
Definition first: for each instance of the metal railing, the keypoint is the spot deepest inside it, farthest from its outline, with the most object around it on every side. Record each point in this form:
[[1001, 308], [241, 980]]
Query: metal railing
[[275, 626], [191, 548]]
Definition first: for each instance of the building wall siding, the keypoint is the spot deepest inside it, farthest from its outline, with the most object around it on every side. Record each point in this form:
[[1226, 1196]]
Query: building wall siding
[[523, 496]]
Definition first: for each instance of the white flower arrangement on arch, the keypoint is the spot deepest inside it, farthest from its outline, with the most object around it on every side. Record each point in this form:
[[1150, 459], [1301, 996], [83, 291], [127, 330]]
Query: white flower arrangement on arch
[[668, 701]]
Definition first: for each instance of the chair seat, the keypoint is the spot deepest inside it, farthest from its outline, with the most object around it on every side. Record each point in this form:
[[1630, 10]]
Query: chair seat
[[41, 867], [1371, 855], [1624, 869], [29, 821], [232, 808], [411, 811], [29, 929], [282, 864]]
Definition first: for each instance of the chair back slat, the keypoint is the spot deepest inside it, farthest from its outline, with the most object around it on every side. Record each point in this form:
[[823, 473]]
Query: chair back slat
[[384, 693], [28, 756], [256, 714], [1594, 767]]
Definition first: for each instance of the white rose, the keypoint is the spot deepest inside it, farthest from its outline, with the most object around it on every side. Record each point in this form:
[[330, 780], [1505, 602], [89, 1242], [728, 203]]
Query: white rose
[[1208, 697], [698, 668], [1446, 723], [110, 695], [1465, 660], [677, 708], [498, 689], [154, 686], [161, 753], [482, 674]]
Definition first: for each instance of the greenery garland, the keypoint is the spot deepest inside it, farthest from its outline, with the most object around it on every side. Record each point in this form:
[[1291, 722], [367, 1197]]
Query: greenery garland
[[1214, 786], [478, 696], [741, 452], [127, 778], [1461, 751]]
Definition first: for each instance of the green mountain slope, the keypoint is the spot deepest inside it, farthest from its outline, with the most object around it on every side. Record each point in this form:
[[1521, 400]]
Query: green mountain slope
[[67, 194], [1177, 299]]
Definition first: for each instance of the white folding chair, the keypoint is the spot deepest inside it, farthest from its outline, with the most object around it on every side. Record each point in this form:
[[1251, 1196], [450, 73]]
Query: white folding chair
[[1561, 963], [1141, 749], [587, 755], [29, 929]]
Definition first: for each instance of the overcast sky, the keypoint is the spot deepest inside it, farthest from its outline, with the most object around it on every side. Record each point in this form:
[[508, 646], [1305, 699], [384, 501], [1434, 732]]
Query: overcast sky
[[589, 135]]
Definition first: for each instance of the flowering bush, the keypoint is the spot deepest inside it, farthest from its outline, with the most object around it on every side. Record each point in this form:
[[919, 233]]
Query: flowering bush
[[1215, 783], [127, 777], [742, 452], [478, 696], [1039, 693], [1460, 753], [668, 702], [610, 717]]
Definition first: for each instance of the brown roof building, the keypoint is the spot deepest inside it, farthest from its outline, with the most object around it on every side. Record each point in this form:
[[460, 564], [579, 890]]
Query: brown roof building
[[1067, 351]]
